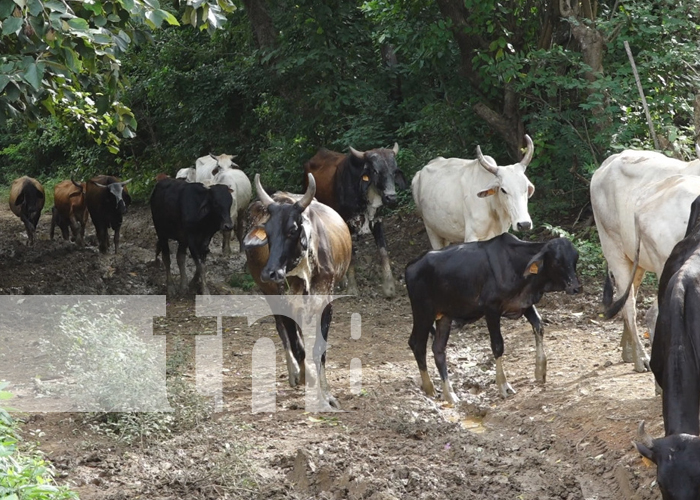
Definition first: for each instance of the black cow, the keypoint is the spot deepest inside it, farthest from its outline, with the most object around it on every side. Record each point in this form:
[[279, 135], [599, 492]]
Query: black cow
[[356, 185], [503, 276], [190, 214], [675, 362], [107, 199]]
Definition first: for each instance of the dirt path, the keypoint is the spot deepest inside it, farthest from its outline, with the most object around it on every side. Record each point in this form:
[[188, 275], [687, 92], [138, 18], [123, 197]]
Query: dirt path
[[568, 439]]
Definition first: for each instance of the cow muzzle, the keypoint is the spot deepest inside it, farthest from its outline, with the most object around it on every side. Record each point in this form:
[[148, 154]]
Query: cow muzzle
[[273, 275], [390, 200], [524, 226], [227, 226], [121, 206], [573, 288]]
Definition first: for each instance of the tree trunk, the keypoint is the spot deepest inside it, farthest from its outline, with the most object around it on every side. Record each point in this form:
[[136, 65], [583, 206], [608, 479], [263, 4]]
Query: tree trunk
[[261, 22], [507, 123]]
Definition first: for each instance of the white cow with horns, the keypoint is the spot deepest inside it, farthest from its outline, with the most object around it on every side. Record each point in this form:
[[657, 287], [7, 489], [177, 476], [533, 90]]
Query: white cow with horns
[[657, 191], [470, 200]]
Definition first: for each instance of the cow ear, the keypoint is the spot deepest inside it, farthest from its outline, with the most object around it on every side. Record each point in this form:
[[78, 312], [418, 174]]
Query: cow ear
[[400, 180], [535, 265], [40, 195], [487, 192], [530, 189], [256, 237], [303, 240], [216, 171], [75, 193], [645, 451]]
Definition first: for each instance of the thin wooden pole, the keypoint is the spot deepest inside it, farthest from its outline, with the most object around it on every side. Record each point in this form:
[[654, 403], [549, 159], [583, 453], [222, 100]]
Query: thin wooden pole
[[641, 93]]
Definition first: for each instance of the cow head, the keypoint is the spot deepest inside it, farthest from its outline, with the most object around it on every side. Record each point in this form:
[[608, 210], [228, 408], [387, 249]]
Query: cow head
[[511, 186], [286, 233], [121, 195], [677, 459], [380, 172], [556, 265], [218, 202], [223, 161]]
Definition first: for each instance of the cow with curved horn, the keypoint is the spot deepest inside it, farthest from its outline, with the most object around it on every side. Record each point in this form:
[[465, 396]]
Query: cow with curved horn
[[298, 246], [472, 200], [356, 185], [107, 199], [69, 210]]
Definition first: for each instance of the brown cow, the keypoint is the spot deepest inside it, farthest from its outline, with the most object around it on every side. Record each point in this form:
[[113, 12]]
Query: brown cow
[[356, 185], [26, 202], [298, 246], [69, 210], [106, 198]]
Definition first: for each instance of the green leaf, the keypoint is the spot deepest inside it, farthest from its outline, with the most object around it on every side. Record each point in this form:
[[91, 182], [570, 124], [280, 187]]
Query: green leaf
[[33, 75], [153, 4], [78, 23], [35, 7], [11, 25], [4, 80], [57, 6], [6, 8]]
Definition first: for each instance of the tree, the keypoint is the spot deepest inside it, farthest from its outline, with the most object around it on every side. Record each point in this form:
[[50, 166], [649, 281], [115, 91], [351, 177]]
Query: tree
[[63, 56]]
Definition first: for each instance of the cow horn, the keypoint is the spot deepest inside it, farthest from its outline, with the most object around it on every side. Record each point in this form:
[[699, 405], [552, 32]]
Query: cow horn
[[528, 154], [355, 152], [76, 184], [491, 167], [310, 193], [99, 185], [697, 150], [644, 436], [395, 149], [126, 182], [264, 197]]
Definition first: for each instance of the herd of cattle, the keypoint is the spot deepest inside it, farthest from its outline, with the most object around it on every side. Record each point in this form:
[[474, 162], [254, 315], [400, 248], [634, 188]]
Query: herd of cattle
[[646, 208]]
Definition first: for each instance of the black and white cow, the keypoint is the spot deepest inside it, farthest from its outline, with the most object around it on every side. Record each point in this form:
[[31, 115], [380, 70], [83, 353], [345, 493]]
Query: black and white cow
[[107, 199], [500, 277], [356, 185]]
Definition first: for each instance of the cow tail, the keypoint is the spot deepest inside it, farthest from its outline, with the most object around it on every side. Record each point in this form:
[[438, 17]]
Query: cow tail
[[607, 288], [619, 303]]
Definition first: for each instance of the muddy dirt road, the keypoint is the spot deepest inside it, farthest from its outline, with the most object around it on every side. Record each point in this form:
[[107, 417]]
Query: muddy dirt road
[[568, 439]]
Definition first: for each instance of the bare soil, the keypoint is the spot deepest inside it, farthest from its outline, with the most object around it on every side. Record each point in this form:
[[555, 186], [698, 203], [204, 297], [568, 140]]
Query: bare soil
[[570, 438]]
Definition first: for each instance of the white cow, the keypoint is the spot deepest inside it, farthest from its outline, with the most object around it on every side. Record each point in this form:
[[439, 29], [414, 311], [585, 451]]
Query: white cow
[[241, 192], [221, 169], [203, 169], [469, 200], [649, 186]]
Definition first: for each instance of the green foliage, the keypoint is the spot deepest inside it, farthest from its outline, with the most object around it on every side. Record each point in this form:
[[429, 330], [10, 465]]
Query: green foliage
[[243, 281], [24, 473]]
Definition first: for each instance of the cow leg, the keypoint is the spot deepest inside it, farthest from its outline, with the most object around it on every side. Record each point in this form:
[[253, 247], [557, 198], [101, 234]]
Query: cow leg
[[388, 286], [540, 357], [293, 349], [442, 334], [116, 239], [320, 357], [631, 343], [30, 229], [436, 242], [165, 249], [493, 322], [181, 258], [418, 343], [240, 229], [226, 243], [102, 238], [75, 230]]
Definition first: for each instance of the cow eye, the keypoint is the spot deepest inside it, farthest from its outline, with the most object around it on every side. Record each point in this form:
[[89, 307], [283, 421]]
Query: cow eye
[[503, 191]]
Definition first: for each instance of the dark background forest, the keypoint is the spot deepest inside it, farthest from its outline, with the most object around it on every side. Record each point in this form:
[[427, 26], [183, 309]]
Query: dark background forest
[[275, 80]]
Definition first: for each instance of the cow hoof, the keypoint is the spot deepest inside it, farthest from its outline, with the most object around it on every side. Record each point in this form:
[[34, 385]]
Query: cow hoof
[[506, 390], [333, 402], [389, 290], [451, 398], [642, 365]]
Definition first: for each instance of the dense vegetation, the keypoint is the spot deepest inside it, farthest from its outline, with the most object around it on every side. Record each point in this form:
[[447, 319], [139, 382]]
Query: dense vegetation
[[280, 79]]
